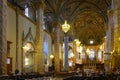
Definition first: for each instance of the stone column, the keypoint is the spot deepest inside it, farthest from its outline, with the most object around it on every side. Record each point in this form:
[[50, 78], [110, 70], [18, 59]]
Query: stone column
[[39, 56], [109, 37], [57, 47], [3, 40], [110, 32], [115, 56], [66, 39]]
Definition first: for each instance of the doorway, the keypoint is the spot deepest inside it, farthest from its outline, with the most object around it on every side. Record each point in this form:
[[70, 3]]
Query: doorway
[[9, 65]]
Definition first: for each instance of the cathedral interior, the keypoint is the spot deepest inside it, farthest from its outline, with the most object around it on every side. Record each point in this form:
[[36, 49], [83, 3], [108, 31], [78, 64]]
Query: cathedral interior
[[59, 36]]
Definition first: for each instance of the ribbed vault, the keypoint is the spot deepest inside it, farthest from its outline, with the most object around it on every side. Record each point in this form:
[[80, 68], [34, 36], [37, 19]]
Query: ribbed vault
[[88, 18], [89, 25]]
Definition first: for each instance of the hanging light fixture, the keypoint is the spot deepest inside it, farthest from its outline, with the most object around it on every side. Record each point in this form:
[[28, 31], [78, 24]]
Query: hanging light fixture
[[65, 27], [77, 42], [91, 41], [51, 56]]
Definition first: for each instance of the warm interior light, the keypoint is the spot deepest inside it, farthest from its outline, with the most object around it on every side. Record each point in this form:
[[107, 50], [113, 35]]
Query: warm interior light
[[77, 42], [87, 50], [70, 55], [119, 38], [65, 27], [51, 56], [91, 41], [70, 63], [28, 47], [100, 55], [26, 61]]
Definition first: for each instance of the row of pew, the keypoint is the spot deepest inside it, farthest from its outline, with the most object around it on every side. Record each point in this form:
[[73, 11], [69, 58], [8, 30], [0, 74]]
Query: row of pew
[[24, 77], [77, 77]]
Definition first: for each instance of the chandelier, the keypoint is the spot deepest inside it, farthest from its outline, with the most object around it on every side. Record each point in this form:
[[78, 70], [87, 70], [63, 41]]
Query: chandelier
[[65, 27]]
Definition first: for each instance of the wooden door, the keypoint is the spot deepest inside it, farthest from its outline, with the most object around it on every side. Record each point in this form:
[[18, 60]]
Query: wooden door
[[9, 65]]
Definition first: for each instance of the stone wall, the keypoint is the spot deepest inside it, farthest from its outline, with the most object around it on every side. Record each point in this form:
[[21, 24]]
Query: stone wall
[[3, 42], [23, 26]]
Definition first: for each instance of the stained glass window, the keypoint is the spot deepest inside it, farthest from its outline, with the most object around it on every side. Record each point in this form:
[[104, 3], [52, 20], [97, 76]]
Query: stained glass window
[[26, 11], [91, 54], [99, 55], [83, 55]]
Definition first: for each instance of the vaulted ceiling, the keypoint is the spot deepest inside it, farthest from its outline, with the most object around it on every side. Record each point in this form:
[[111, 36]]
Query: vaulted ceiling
[[88, 18]]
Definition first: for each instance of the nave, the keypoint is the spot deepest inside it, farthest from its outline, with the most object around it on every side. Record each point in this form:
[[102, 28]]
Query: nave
[[79, 39]]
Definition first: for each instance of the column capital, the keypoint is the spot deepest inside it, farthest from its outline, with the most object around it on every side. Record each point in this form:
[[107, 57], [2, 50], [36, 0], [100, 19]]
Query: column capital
[[110, 12], [56, 24], [40, 4]]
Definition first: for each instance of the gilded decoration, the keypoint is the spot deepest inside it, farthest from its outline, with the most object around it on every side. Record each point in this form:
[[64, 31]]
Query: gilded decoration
[[90, 26], [88, 14]]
